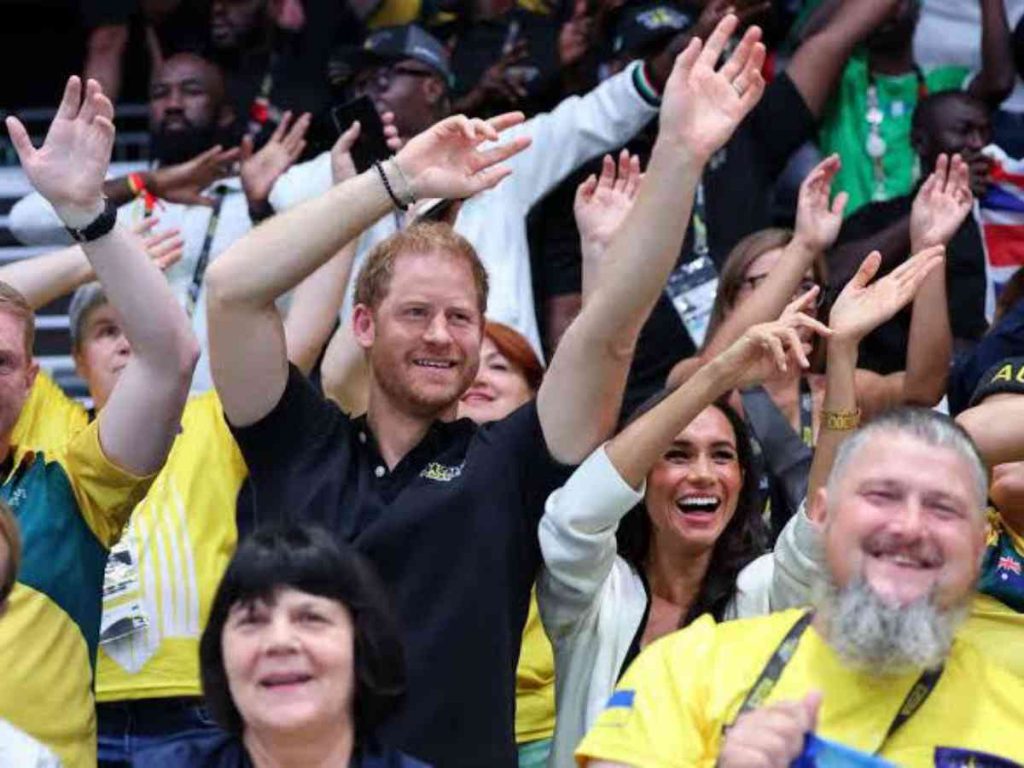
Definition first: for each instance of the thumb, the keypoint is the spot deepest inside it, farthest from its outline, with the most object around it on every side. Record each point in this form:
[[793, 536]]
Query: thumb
[[246, 148], [867, 270], [812, 705], [19, 138]]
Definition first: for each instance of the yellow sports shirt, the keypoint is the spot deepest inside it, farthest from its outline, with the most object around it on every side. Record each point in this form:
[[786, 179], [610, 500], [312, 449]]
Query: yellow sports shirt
[[71, 505], [164, 572], [49, 418], [996, 623], [535, 681], [672, 704]]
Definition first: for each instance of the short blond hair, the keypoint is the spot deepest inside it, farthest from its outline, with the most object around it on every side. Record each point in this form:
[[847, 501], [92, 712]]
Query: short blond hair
[[374, 279], [9, 533], [14, 303]]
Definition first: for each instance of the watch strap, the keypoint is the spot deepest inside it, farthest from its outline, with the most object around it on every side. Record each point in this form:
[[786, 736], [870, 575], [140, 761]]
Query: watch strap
[[99, 226]]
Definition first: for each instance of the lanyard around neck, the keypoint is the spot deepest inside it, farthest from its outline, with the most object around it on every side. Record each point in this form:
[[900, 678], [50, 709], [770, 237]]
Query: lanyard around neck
[[783, 654]]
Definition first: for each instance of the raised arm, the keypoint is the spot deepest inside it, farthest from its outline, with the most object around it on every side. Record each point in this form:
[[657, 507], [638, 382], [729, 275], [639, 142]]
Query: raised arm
[[940, 208], [46, 278], [817, 226], [578, 402], [313, 315], [997, 76], [819, 61], [247, 342], [859, 309], [140, 419], [601, 205]]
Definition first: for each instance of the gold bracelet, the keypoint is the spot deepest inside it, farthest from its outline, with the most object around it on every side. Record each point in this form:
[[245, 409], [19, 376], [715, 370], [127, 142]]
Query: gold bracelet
[[841, 421]]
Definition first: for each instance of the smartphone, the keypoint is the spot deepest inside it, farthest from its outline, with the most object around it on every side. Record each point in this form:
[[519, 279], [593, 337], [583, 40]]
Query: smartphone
[[371, 144]]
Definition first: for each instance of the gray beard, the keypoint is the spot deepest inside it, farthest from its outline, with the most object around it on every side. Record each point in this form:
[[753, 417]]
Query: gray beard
[[875, 637]]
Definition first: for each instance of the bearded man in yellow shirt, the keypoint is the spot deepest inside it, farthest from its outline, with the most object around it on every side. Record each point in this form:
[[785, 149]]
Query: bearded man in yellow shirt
[[876, 667]]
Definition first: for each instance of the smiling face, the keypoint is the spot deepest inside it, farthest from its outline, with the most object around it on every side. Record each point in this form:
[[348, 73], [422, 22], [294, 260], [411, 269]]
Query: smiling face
[[500, 387], [423, 338], [693, 490], [289, 662], [102, 352], [903, 517]]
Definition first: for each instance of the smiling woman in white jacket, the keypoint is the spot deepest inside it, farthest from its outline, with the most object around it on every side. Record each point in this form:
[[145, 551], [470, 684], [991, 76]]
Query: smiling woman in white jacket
[[684, 469]]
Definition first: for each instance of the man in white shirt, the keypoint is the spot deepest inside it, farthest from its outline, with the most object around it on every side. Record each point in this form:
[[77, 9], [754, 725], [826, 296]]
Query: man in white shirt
[[405, 71]]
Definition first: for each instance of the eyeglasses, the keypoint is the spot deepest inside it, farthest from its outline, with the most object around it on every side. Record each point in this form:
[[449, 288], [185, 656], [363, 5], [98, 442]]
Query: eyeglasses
[[751, 283], [380, 80]]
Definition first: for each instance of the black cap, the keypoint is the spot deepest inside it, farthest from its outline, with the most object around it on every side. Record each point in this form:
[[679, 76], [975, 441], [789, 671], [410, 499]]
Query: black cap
[[1005, 376], [408, 41], [644, 24]]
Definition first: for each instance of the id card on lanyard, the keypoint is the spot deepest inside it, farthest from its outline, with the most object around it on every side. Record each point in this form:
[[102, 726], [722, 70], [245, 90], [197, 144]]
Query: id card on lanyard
[[692, 286]]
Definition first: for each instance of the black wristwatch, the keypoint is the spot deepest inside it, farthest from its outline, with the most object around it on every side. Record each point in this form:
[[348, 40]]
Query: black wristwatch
[[100, 226]]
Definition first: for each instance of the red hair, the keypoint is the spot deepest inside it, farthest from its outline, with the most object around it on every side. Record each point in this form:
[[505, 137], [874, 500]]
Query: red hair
[[517, 350]]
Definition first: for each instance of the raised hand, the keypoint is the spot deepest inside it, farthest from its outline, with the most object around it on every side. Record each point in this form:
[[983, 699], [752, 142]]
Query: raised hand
[[769, 349], [447, 161], [602, 202], [942, 203], [70, 167], [184, 183], [818, 222], [771, 736], [164, 248], [342, 167], [863, 306], [259, 170], [703, 106]]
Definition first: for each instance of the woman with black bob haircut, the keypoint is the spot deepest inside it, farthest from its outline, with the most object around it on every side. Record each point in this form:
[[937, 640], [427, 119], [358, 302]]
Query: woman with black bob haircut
[[653, 530], [301, 660]]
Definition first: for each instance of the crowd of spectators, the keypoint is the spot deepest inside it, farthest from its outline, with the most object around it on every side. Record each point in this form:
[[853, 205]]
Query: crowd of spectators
[[514, 383]]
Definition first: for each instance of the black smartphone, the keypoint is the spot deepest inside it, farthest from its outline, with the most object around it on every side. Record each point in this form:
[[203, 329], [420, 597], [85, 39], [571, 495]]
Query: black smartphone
[[371, 144]]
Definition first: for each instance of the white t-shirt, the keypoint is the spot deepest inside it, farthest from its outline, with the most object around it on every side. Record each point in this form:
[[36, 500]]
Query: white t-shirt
[[19, 749], [950, 33]]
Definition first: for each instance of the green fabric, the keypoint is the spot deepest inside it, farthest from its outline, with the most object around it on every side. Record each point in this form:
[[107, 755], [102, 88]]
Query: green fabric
[[534, 754], [845, 129]]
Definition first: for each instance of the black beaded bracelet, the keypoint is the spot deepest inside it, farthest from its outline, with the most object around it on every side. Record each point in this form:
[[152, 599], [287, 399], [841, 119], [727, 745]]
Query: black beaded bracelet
[[387, 185]]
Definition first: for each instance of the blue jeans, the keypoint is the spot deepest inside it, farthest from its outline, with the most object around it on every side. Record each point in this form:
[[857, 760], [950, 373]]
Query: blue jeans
[[127, 727]]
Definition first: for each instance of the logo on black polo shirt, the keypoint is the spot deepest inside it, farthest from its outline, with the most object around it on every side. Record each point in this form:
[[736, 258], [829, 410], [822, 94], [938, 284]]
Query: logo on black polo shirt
[[441, 473]]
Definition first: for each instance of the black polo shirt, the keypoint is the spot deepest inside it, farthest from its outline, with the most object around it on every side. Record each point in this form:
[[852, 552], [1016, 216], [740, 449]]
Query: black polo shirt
[[452, 530]]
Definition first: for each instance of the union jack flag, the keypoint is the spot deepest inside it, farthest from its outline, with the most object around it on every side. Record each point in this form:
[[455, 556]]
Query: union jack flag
[[1001, 218]]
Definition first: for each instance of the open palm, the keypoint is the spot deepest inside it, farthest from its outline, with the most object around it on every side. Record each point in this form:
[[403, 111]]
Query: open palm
[[446, 161], [942, 203], [602, 202], [768, 349], [817, 220], [703, 105], [70, 167], [863, 306]]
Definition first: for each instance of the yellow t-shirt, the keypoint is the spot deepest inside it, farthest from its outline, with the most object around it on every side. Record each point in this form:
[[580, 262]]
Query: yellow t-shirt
[[71, 505], [535, 681], [49, 417], [673, 703], [172, 556], [996, 623]]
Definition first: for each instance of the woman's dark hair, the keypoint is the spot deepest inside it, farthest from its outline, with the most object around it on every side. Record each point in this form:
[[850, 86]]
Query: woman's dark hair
[[745, 536], [310, 560]]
